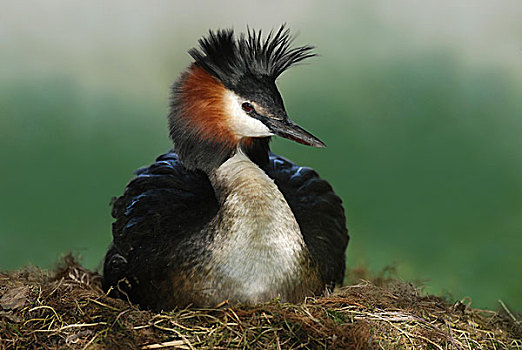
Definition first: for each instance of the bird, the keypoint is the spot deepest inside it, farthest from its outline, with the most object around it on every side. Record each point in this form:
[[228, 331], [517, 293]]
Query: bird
[[220, 218]]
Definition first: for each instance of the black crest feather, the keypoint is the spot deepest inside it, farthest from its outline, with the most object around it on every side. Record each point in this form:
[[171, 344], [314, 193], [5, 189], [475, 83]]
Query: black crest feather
[[228, 57]]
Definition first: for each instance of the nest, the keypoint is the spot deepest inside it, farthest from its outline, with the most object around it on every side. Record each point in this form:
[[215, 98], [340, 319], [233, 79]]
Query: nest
[[67, 308]]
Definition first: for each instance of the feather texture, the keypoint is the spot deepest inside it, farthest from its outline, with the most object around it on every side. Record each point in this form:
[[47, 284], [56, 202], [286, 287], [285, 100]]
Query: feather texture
[[159, 221], [228, 57]]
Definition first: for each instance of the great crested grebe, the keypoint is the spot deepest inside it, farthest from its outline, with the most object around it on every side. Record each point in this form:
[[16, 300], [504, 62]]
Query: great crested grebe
[[221, 218]]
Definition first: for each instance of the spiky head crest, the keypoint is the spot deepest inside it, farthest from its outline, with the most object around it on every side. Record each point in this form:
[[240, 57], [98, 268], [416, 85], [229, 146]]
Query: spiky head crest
[[247, 65], [229, 58]]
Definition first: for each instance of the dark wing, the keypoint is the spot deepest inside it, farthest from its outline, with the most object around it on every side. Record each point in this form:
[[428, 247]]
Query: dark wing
[[319, 213], [162, 206]]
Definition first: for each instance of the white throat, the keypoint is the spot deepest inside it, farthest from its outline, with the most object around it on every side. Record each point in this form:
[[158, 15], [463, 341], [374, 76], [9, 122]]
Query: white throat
[[258, 244]]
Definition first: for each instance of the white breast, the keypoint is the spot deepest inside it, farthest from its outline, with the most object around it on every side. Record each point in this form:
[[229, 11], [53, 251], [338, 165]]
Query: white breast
[[258, 250]]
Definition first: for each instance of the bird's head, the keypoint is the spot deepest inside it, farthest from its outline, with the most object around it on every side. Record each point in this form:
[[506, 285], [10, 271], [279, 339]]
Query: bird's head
[[228, 99]]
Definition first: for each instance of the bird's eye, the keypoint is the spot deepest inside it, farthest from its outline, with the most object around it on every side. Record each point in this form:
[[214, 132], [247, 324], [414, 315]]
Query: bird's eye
[[247, 107]]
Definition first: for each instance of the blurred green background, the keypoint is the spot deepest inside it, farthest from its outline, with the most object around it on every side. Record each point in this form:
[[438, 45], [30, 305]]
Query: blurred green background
[[420, 106]]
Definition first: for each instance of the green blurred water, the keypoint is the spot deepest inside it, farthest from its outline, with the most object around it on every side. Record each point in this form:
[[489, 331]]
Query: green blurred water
[[425, 152]]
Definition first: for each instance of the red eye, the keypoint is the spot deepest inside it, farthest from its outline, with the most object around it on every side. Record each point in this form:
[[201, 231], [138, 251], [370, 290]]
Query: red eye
[[247, 107]]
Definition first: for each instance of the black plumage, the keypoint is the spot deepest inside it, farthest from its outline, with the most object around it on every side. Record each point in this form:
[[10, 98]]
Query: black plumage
[[233, 60]]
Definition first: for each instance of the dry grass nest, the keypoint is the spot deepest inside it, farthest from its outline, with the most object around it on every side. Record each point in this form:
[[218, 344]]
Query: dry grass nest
[[66, 308]]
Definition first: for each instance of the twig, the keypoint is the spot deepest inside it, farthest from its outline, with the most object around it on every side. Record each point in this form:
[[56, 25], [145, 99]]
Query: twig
[[173, 343], [508, 312]]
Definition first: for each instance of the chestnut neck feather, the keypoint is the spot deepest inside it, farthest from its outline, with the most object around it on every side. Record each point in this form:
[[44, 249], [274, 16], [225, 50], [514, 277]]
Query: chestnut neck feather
[[198, 127]]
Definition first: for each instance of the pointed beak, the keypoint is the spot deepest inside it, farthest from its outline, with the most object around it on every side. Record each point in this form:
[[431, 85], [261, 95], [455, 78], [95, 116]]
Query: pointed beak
[[288, 129]]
